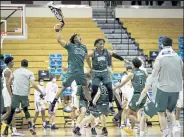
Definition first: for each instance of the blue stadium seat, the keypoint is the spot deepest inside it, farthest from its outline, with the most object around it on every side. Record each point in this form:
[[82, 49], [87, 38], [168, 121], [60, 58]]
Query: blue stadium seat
[[55, 56], [181, 40], [181, 46], [55, 64], [117, 76], [64, 76], [160, 39]]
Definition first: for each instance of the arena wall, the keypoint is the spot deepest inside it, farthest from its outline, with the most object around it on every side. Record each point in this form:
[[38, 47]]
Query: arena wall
[[148, 13], [69, 11]]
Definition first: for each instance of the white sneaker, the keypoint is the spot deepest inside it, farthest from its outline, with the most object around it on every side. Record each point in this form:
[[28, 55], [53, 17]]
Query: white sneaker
[[17, 134], [176, 131]]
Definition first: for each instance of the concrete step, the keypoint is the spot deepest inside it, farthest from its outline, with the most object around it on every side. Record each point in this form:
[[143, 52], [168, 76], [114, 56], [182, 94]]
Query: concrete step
[[120, 40], [104, 21], [109, 26], [104, 17], [124, 46], [115, 35], [112, 30]]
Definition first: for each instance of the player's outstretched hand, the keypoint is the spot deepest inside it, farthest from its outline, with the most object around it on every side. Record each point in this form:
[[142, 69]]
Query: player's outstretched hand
[[58, 27]]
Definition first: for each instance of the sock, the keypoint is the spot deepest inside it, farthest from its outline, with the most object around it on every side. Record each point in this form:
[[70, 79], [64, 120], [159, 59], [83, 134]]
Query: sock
[[110, 104], [33, 123], [166, 132], [14, 129], [177, 122], [44, 123], [141, 133]]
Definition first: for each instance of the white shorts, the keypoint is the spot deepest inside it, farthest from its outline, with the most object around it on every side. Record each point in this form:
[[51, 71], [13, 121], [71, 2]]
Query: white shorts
[[74, 102], [6, 97], [180, 100], [55, 108], [39, 106]]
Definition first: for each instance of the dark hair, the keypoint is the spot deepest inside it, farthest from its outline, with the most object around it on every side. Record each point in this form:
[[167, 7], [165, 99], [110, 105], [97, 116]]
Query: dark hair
[[124, 72], [72, 38], [1, 57], [128, 67], [8, 60], [52, 76], [24, 63], [166, 41], [41, 79], [136, 62], [98, 40]]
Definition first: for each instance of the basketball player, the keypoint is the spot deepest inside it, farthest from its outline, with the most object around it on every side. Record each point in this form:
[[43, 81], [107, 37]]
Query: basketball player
[[51, 91], [22, 78], [178, 108], [76, 54], [169, 84], [127, 93], [1, 96], [39, 104], [74, 102], [100, 71], [82, 102], [101, 109], [7, 94], [138, 78]]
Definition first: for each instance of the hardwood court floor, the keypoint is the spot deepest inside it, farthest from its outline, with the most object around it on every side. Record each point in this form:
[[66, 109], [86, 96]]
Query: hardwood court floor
[[153, 131]]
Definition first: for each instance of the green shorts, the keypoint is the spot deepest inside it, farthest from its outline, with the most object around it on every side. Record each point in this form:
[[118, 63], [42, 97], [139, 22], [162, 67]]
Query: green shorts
[[150, 109], [17, 100], [134, 100], [166, 100], [101, 109], [79, 78], [82, 103], [103, 77]]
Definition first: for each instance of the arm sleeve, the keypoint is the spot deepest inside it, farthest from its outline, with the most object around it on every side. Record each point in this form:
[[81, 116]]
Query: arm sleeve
[[31, 77], [117, 56], [156, 69]]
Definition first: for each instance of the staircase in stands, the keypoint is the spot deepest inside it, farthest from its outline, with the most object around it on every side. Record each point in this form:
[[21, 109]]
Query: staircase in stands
[[120, 39]]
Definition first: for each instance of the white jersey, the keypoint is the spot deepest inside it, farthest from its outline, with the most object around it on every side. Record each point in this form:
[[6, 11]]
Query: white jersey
[[3, 77], [127, 89], [51, 91], [37, 94], [5, 93]]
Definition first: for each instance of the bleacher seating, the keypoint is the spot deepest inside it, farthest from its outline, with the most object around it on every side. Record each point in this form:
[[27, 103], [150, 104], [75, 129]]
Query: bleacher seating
[[146, 31]]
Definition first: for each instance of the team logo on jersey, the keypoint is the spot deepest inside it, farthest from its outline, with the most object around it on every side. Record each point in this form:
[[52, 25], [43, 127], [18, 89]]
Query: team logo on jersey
[[102, 58], [79, 51]]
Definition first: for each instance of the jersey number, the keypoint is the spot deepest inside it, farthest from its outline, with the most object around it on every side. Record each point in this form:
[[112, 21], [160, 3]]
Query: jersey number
[[140, 80], [104, 90]]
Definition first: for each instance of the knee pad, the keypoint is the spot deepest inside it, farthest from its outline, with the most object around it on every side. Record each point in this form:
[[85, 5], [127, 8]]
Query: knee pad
[[26, 112], [94, 91]]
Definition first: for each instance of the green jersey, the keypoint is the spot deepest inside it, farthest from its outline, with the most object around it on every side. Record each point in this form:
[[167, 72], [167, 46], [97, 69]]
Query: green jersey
[[76, 56], [100, 60], [104, 96], [139, 80], [80, 93]]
